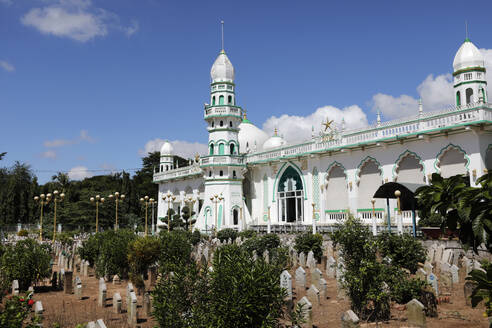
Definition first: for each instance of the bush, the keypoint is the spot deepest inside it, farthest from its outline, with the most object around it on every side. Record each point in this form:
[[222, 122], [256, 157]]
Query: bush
[[16, 311], [260, 244], [196, 237], [175, 250], [403, 291], [308, 242], [23, 233], [404, 250], [90, 248], [225, 234], [433, 220], [247, 234], [112, 258], [142, 253], [27, 261]]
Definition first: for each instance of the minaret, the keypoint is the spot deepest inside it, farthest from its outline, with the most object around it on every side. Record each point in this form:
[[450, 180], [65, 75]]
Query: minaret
[[223, 166], [470, 86]]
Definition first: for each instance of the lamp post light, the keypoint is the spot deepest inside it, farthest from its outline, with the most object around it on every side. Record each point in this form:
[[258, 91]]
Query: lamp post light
[[152, 218], [190, 200], [57, 198], [398, 202], [314, 218], [98, 200], [43, 200], [146, 200], [169, 197], [117, 198], [216, 199]]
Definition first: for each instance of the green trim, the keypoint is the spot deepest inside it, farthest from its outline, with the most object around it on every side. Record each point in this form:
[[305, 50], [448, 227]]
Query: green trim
[[224, 165], [228, 115], [365, 160], [208, 183], [444, 150], [281, 170], [223, 105], [332, 166], [336, 211], [468, 82], [225, 91], [470, 69], [403, 155], [370, 209], [225, 82], [223, 129], [245, 120]]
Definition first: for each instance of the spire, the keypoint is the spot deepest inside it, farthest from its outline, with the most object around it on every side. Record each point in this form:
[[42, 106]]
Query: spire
[[275, 132], [466, 31], [379, 119], [421, 109], [222, 30], [343, 123]]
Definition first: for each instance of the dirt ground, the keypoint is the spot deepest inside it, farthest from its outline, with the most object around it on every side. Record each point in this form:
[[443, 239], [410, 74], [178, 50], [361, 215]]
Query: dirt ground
[[68, 311]]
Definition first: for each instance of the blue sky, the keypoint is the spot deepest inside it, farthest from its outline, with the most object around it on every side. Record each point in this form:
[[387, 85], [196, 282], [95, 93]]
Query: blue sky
[[90, 85]]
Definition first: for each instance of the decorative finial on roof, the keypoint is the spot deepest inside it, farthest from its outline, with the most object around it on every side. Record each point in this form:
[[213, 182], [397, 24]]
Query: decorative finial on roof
[[222, 29], [421, 108], [275, 132], [379, 118]]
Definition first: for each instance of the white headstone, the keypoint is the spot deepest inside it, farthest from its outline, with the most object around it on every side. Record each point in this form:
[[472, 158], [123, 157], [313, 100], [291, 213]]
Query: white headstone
[[300, 278], [432, 279], [313, 295], [331, 267], [302, 259], [455, 274], [286, 282], [311, 262]]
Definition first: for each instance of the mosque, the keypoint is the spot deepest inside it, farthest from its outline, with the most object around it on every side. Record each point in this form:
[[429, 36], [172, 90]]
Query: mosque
[[250, 179]]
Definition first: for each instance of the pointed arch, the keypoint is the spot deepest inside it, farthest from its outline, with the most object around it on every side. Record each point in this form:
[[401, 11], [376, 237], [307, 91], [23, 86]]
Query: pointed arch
[[453, 162], [404, 157], [281, 172], [369, 178], [334, 165], [364, 162], [336, 190], [208, 212], [201, 188]]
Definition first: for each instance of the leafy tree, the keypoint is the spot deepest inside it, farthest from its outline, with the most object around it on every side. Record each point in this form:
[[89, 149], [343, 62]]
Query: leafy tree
[[224, 234], [2, 155], [308, 242], [483, 289], [112, 258], [142, 253], [404, 250], [27, 261], [175, 250]]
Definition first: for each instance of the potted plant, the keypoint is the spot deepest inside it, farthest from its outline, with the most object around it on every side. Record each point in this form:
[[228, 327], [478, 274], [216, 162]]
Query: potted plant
[[431, 226]]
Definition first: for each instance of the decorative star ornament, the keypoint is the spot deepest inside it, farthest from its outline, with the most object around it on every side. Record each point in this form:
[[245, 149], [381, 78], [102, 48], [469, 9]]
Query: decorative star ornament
[[327, 124]]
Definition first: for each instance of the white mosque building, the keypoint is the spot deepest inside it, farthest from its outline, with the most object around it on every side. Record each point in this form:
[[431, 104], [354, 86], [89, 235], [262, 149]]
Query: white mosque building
[[249, 179]]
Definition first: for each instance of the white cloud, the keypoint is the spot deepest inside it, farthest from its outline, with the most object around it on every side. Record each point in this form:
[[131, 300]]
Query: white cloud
[[132, 29], [392, 107], [487, 54], [48, 154], [184, 149], [74, 19], [299, 128], [79, 173], [84, 136], [7, 66]]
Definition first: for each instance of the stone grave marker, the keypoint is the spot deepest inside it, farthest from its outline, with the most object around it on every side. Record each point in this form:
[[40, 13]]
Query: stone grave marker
[[15, 287], [132, 311], [416, 313], [286, 283], [116, 280], [316, 275], [439, 252], [455, 274], [101, 299], [302, 259], [307, 311], [447, 256], [147, 307], [428, 267], [38, 308], [68, 282], [323, 289], [116, 303], [313, 295], [266, 256], [300, 279], [468, 289], [350, 319], [331, 267], [311, 262], [129, 290], [432, 280]]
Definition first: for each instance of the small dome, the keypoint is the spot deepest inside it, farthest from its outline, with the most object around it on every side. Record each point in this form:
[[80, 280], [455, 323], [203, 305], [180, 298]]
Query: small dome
[[274, 142], [222, 69], [167, 149], [468, 56], [249, 135]]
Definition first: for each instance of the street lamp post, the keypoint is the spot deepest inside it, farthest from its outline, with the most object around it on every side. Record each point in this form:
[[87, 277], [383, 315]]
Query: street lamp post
[[169, 197], [43, 200], [57, 198], [117, 198], [146, 200], [216, 199], [314, 218], [374, 226], [190, 200], [97, 200], [152, 219], [398, 202]]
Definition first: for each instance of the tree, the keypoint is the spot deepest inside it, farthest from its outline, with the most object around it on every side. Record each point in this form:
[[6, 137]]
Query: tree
[[142, 253], [2, 155]]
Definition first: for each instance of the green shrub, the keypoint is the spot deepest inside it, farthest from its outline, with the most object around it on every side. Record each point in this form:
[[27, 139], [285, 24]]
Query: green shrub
[[175, 250], [196, 237], [113, 251], [432, 220], [90, 248], [247, 234], [403, 291], [142, 253], [15, 312], [404, 250], [308, 242], [261, 243], [23, 233], [66, 238], [27, 261], [225, 234]]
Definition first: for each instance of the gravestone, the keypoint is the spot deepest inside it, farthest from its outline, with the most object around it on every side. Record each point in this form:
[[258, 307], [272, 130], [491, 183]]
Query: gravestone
[[329, 249], [432, 280], [302, 259], [86, 268], [446, 281], [416, 313], [116, 280], [421, 274], [67, 286], [129, 290], [101, 299], [38, 308], [78, 288], [350, 319], [132, 311], [468, 289], [331, 267], [266, 256], [316, 275], [439, 252], [455, 274], [445, 267], [205, 252], [254, 256], [323, 289], [313, 295], [428, 267], [116, 303], [147, 308], [307, 312], [447, 256], [300, 279], [15, 287], [286, 283], [311, 262], [430, 254]]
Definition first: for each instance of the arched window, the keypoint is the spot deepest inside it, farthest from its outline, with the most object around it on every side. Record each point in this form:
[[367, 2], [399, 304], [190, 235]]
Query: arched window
[[209, 173], [229, 100], [167, 167], [458, 99], [221, 173], [213, 123], [221, 100], [234, 174], [235, 217], [231, 149], [290, 194], [221, 123], [211, 149], [221, 149], [213, 100], [469, 94], [483, 95], [230, 124]]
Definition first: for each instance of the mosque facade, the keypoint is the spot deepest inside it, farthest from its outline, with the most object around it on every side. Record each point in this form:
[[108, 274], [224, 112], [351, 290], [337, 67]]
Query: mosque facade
[[249, 178]]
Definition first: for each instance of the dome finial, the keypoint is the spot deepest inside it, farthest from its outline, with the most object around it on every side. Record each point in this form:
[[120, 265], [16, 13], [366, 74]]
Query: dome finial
[[222, 29], [275, 132]]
